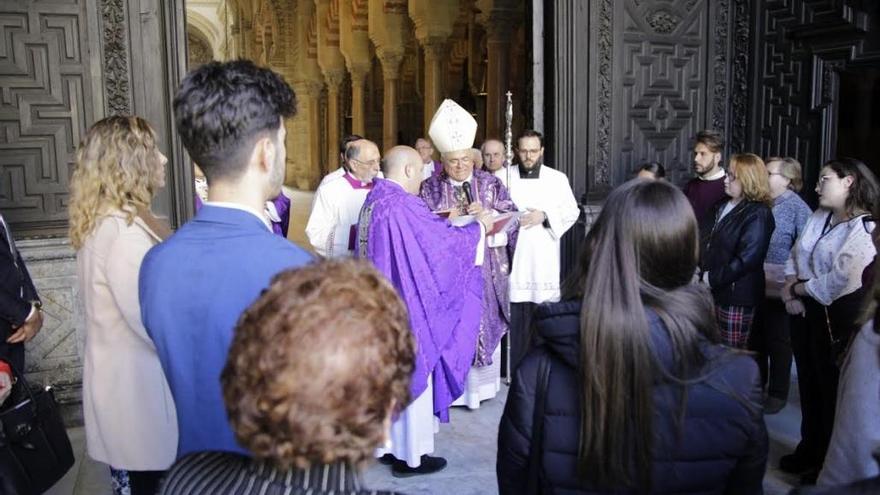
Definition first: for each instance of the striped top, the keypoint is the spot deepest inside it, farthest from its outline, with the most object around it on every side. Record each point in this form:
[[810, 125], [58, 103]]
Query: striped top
[[226, 473]]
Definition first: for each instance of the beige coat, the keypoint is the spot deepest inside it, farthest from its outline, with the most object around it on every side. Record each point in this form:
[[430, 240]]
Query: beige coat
[[127, 405]]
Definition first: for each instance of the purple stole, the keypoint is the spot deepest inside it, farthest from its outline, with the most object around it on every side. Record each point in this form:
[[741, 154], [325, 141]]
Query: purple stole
[[355, 184]]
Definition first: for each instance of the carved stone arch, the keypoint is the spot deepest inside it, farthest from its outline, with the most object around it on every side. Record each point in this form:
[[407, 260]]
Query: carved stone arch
[[210, 31], [198, 47]]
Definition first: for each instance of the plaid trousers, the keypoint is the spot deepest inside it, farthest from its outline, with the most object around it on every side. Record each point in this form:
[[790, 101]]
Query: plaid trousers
[[735, 323]]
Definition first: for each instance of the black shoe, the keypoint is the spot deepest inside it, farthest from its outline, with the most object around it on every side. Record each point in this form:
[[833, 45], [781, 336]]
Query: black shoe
[[387, 459], [795, 464], [773, 405], [428, 465]]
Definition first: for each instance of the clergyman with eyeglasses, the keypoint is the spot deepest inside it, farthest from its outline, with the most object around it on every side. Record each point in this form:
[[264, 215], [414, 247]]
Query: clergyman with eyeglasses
[[545, 198], [332, 225]]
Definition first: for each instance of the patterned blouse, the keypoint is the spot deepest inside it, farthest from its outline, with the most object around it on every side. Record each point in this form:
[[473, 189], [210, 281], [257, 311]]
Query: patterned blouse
[[832, 258]]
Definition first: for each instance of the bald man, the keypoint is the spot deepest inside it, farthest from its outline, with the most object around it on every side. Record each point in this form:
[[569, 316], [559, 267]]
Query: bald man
[[493, 155], [432, 265]]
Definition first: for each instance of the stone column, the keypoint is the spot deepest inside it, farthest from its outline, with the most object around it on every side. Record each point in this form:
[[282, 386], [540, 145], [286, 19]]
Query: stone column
[[387, 28], [358, 118], [334, 81], [311, 91], [332, 65], [391, 72], [309, 84], [434, 23], [354, 43], [436, 52]]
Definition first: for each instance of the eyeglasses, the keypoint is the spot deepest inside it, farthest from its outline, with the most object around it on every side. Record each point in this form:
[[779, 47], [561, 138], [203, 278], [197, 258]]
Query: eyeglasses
[[825, 178], [371, 163]]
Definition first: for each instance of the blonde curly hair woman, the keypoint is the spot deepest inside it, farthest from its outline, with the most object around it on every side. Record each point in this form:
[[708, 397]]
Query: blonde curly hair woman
[[129, 413]]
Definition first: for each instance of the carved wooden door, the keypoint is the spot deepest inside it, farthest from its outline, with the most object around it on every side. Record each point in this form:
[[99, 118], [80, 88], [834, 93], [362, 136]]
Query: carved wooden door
[[45, 103], [634, 80]]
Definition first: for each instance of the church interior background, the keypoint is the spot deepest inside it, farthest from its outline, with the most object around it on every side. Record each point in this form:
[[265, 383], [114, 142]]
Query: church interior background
[[374, 68], [611, 83]]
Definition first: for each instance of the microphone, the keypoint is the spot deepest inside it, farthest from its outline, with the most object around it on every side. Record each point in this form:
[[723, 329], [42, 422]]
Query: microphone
[[466, 187]]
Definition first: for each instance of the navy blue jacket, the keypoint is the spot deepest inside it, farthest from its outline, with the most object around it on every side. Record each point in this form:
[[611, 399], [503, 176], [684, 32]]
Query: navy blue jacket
[[722, 446], [17, 292], [733, 251], [193, 288]]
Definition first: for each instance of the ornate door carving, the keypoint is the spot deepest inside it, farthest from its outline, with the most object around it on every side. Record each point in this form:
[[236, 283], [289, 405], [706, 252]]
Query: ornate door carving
[[667, 70], [634, 80], [801, 45], [45, 104]]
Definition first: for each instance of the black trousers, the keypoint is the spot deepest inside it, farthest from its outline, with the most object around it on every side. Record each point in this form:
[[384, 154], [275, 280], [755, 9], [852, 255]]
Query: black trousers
[[520, 334], [145, 482], [770, 338], [816, 350]]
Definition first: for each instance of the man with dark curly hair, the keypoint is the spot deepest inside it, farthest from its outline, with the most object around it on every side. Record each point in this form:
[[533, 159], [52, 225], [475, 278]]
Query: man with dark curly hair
[[194, 286], [317, 366]]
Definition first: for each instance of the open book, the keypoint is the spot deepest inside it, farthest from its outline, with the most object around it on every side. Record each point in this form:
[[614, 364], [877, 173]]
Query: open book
[[500, 223], [504, 222]]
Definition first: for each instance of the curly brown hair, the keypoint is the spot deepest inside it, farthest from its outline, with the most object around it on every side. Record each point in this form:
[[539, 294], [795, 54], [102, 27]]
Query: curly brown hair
[[318, 364]]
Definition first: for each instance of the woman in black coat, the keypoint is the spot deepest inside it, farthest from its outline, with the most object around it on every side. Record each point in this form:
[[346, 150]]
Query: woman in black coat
[[640, 397], [735, 246]]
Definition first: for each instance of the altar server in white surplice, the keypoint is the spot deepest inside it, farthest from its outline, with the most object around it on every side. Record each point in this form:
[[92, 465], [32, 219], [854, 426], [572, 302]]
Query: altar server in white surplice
[[332, 226], [546, 197]]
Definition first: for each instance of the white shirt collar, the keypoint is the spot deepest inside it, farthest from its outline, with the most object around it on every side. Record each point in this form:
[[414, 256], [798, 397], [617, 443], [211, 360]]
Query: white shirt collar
[[717, 175], [237, 206], [459, 183]]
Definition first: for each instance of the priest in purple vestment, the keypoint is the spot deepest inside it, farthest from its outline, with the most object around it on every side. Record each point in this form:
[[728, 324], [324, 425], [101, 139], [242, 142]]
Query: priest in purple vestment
[[434, 267], [447, 191]]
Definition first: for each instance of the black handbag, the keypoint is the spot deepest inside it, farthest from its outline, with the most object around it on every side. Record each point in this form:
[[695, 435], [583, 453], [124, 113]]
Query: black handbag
[[35, 451]]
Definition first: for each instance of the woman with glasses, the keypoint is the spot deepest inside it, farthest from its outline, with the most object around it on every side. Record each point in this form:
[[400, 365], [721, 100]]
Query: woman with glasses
[[735, 245], [824, 283], [770, 337]]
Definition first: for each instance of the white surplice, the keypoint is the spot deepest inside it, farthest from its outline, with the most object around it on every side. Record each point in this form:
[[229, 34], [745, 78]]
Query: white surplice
[[412, 435], [335, 211], [482, 383], [534, 273]]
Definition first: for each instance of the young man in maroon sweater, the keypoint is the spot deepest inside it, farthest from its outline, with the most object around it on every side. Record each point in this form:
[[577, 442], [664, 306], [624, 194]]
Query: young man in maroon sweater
[[707, 188]]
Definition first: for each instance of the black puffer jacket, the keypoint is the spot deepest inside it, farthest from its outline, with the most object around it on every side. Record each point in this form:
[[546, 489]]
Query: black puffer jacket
[[733, 250], [722, 446]]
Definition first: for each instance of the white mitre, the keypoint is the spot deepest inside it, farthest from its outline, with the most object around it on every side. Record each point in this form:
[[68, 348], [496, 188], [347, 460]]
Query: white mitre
[[453, 128]]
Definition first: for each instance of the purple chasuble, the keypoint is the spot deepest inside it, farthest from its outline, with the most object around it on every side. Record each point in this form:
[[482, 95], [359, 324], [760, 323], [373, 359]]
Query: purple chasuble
[[440, 194], [431, 264]]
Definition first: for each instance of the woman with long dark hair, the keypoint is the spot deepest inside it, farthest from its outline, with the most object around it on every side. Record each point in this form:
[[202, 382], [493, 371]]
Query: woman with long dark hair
[[824, 284], [639, 394]]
